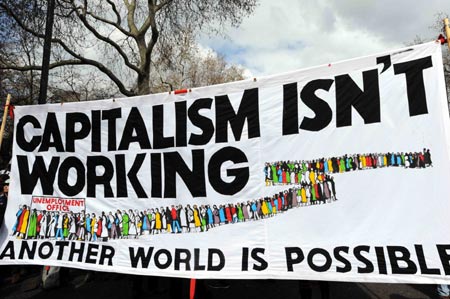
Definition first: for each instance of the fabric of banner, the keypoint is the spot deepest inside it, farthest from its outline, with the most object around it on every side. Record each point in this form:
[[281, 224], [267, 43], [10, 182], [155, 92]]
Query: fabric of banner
[[337, 172]]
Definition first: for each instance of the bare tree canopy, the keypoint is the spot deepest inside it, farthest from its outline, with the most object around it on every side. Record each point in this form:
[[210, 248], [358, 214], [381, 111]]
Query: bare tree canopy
[[114, 37], [439, 27], [185, 64]]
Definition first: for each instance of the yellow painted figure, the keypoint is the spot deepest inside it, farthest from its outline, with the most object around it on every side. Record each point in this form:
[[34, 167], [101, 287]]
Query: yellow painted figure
[[264, 209], [93, 222], [330, 166], [158, 223], [197, 222], [23, 228], [312, 177], [303, 194]]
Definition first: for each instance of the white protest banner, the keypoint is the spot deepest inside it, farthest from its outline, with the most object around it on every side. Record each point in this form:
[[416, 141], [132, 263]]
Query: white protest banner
[[338, 172]]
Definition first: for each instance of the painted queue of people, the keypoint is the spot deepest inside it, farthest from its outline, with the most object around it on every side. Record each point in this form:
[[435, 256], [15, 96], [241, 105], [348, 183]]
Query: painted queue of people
[[294, 172], [123, 224], [33, 224]]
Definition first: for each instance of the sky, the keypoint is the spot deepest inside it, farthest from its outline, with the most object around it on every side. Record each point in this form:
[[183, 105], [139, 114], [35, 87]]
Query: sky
[[292, 34]]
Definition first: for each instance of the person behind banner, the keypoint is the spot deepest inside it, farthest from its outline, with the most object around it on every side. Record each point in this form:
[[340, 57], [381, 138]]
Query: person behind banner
[[3, 200], [443, 291]]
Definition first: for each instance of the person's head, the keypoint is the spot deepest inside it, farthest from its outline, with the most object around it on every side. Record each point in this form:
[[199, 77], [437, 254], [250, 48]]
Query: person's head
[[6, 186]]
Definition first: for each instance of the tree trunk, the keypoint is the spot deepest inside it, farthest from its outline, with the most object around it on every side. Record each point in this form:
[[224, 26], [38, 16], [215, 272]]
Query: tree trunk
[[143, 83]]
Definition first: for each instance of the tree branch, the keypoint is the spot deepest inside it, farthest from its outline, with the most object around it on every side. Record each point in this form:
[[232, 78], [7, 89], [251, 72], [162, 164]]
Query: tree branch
[[114, 8], [116, 24], [85, 22], [154, 37], [39, 67], [167, 83], [19, 21], [153, 9], [106, 21], [162, 4], [85, 60], [145, 26], [131, 8]]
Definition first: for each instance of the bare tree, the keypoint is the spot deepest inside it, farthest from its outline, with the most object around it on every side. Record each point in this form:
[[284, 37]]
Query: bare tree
[[17, 47], [438, 27], [186, 64], [118, 38]]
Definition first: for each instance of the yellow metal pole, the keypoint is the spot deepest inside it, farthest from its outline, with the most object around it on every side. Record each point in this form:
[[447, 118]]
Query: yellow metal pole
[[5, 114], [447, 31]]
